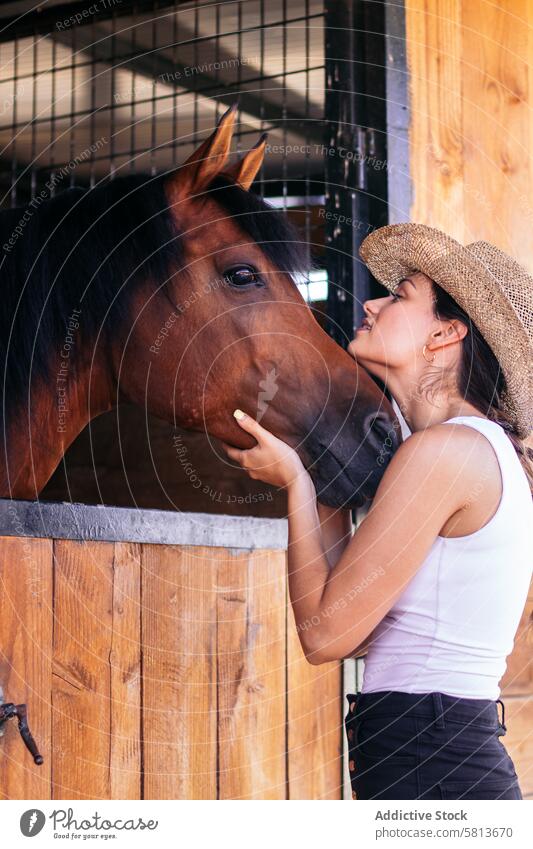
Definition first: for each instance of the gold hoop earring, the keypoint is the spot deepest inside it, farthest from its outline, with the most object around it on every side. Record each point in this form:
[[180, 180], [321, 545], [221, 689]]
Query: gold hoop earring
[[424, 355]]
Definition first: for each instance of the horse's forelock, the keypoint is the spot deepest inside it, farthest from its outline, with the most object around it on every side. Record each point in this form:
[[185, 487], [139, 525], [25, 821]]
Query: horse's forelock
[[275, 234]]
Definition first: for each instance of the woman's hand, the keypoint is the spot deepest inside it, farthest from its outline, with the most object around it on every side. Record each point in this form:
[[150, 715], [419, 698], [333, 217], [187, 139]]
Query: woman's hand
[[271, 460]]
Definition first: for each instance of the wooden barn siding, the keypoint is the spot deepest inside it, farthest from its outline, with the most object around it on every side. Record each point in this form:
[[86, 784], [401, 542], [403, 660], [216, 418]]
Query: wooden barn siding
[[156, 672], [470, 69]]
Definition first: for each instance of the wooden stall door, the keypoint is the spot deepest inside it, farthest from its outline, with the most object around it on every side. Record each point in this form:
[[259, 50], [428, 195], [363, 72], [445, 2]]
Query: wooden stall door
[[161, 672]]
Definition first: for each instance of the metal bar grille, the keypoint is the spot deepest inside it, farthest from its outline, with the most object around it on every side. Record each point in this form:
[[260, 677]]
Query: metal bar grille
[[137, 85], [355, 154]]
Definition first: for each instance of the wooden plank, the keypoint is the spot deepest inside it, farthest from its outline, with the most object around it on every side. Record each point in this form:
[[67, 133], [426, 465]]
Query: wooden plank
[[518, 678], [82, 669], [125, 675], [525, 198], [178, 627], [25, 663], [517, 740], [315, 723], [495, 66], [251, 607], [434, 39]]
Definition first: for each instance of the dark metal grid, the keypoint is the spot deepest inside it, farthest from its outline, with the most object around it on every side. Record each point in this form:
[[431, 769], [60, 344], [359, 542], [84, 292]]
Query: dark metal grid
[[151, 41], [356, 175], [99, 50]]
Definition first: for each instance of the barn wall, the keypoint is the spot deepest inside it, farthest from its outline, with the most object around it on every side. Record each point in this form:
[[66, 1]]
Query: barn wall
[[470, 68]]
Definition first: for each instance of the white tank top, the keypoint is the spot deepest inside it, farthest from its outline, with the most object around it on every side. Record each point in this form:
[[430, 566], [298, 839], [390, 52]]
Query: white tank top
[[453, 627]]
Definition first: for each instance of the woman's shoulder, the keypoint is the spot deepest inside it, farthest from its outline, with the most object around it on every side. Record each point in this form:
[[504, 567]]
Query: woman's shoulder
[[449, 437], [433, 475], [451, 450]]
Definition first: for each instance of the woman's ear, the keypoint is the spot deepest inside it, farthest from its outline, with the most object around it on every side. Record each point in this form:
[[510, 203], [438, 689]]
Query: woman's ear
[[457, 329], [448, 332]]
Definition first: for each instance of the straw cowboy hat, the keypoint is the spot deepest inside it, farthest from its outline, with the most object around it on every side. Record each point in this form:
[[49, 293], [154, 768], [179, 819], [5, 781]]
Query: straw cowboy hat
[[488, 284]]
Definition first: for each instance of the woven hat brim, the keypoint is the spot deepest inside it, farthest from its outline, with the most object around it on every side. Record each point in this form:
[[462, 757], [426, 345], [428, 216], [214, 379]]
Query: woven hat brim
[[393, 252]]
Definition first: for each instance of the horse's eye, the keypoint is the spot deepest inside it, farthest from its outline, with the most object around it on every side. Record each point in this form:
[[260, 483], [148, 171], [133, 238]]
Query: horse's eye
[[242, 275]]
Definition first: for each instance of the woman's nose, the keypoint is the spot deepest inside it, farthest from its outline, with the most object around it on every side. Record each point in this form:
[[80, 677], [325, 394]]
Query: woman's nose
[[369, 308]]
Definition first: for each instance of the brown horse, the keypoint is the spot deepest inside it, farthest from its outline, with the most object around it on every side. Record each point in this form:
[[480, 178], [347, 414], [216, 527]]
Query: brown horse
[[177, 293]]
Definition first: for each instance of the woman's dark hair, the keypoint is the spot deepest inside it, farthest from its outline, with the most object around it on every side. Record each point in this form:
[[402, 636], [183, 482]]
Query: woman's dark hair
[[480, 379]]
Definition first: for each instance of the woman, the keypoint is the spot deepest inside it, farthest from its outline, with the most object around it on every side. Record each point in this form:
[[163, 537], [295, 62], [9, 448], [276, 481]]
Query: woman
[[433, 583]]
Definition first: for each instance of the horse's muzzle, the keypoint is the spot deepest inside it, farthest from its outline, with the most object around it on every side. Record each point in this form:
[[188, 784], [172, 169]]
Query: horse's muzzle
[[346, 468]]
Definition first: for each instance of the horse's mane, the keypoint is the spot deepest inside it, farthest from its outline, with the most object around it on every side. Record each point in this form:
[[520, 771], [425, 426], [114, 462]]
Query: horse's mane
[[96, 240]]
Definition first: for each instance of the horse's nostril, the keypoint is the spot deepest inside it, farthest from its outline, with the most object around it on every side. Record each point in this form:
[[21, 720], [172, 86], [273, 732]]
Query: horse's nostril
[[380, 431]]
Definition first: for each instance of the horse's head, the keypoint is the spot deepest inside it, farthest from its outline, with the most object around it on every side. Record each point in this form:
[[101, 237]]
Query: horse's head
[[229, 328]]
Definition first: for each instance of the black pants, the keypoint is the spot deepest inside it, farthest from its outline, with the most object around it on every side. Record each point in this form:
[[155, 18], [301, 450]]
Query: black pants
[[427, 746]]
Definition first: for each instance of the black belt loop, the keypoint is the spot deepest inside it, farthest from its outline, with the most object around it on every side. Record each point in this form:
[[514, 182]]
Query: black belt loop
[[437, 706], [352, 698], [503, 714]]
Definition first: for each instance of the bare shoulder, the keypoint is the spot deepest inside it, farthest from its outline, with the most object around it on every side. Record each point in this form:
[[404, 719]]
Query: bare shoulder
[[465, 447], [448, 454], [428, 481], [448, 439], [455, 442]]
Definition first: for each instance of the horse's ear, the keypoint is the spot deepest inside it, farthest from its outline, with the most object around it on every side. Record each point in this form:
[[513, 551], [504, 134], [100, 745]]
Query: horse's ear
[[193, 177], [244, 170]]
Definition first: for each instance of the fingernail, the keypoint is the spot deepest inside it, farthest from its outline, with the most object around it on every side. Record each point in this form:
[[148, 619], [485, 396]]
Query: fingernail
[[239, 414]]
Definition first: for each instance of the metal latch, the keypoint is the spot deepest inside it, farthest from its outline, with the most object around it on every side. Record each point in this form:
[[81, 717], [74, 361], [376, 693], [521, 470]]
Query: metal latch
[[7, 711]]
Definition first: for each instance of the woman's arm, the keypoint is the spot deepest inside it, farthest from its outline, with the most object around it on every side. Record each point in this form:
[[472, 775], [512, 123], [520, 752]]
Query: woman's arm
[[338, 608], [362, 648], [430, 478], [336, 528]]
